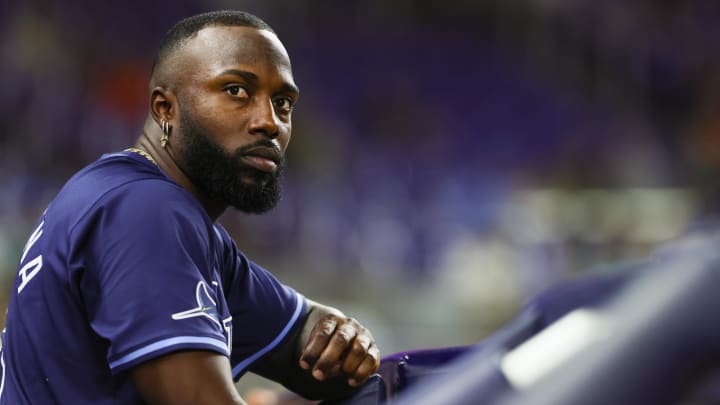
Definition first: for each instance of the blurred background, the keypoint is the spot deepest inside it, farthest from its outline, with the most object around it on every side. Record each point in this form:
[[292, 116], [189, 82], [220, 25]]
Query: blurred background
[[449, 159]]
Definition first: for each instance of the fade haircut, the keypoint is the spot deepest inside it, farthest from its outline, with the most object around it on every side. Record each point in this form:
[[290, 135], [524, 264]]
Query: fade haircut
[[189, 27]]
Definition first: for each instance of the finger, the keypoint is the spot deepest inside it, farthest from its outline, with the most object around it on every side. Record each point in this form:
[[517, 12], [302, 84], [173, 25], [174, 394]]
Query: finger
[[368, 366], [335, 350], [357, 352], [319, 338]]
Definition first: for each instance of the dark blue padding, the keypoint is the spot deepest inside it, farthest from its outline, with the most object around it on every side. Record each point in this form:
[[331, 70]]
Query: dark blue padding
[[590, 290], [478, 366], [404, 370], [401, 371], [665, 339], [661, 345]]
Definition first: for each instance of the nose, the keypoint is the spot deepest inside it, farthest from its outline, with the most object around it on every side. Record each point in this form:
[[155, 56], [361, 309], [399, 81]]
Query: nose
[[264, 121]]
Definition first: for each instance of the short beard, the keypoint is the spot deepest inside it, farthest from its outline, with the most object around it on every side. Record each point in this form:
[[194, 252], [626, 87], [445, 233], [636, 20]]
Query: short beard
[[219, 175]]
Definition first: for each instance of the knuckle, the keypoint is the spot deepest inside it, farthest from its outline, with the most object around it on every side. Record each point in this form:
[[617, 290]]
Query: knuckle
[[326, 329], [346, 334], [363, 341], [374, 352], [358, 350], [342, 338], [328, 320]]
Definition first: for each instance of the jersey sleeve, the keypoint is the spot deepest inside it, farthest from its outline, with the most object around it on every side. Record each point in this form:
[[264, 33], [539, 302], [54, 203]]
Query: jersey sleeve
[[148, 281], [264, 310]]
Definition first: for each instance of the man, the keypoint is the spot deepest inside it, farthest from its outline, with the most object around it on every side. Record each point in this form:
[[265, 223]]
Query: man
[[127, 290]]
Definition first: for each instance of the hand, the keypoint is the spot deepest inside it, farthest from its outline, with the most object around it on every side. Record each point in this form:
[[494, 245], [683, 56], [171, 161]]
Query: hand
[[339, 345]]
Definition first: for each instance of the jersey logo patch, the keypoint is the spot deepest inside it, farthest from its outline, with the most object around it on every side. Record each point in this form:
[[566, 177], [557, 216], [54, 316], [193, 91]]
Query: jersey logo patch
[[206, 306]]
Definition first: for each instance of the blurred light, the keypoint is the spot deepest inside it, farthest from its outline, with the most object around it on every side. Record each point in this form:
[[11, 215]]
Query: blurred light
[[550, 348], [627, 215]]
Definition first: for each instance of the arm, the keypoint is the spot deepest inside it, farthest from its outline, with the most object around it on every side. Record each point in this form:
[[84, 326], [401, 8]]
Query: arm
[[170, 356], [327, 356], [188, 377]]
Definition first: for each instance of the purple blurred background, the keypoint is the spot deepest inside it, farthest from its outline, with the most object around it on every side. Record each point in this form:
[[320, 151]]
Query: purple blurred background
[[448, 160]]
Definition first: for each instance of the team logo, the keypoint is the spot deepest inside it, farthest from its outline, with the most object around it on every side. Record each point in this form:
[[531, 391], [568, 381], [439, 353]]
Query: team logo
[[206, 306]]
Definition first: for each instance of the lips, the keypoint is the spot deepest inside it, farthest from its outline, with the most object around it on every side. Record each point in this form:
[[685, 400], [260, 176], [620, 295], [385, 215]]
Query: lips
[[265, 159]]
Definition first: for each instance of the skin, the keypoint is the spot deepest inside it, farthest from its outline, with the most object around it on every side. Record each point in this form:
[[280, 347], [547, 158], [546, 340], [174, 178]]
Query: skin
[[237, 83]]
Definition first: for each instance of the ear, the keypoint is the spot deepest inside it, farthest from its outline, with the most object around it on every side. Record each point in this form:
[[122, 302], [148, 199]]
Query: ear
[[162, 104]]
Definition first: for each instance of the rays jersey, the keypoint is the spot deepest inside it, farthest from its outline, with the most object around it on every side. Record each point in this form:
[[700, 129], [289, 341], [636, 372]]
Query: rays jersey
[[125, 266]]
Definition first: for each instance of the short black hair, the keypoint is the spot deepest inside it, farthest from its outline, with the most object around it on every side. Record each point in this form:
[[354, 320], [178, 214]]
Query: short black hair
[[188, 27]]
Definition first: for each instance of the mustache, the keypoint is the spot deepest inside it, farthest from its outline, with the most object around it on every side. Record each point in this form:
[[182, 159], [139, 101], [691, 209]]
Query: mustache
[[263, 143]]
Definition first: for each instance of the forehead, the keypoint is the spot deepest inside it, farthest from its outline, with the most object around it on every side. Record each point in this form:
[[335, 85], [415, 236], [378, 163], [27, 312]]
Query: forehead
[[217, 48]]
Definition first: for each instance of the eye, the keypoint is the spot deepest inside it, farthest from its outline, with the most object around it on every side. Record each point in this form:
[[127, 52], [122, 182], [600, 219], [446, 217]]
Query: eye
[[284, 104], [236, 91]]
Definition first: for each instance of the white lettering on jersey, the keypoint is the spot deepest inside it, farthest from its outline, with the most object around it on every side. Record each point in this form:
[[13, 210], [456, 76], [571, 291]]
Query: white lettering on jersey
[[34, 266], [33, 238], [31, 268]]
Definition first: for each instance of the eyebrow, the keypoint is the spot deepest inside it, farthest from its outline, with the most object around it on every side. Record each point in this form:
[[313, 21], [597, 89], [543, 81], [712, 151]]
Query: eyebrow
[[253, 78]]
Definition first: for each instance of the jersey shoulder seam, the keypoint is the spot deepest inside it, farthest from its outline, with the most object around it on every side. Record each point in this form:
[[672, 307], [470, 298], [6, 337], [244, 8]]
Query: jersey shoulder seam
[[102, 197]]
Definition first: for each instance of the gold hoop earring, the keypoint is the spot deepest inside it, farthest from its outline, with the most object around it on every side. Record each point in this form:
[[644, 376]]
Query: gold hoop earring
[[166, 132]]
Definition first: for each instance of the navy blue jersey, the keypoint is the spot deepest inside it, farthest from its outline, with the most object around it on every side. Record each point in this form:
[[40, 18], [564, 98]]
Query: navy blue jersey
[[125, 266]]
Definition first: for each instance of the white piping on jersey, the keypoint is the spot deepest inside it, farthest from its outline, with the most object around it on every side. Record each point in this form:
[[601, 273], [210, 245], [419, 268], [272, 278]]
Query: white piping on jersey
[[245, 363], [174, 341], [217, 232], [2, 369], [109, 155], [298, 308]]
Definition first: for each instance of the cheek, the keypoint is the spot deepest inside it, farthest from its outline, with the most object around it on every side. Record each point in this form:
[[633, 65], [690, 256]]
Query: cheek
[[202, 115], [223, 127], [284, 138]]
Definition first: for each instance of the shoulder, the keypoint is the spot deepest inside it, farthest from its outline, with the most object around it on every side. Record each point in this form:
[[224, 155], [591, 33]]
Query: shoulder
[[121, 191], [127, 177]]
